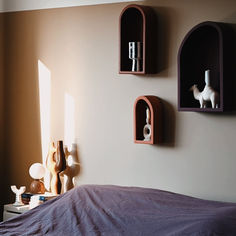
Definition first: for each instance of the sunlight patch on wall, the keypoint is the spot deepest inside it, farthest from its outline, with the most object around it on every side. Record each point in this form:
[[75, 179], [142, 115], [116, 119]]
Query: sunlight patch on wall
[[44, 75], [45, 101], [69, 125]]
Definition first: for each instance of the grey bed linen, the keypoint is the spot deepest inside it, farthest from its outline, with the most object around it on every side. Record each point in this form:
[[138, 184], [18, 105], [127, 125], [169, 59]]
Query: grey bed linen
[[112, 210]]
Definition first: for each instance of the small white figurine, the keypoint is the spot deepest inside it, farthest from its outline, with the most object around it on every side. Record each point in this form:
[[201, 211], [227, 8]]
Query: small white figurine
[[147, 128], [208, 93], [18, 193]]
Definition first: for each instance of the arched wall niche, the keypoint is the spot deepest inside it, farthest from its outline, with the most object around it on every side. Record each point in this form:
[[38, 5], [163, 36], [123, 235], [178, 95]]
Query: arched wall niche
[[155, 107], [137, 24], [205, 47]]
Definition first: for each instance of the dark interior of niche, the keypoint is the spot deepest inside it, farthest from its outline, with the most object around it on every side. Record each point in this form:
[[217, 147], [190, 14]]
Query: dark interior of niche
[[199, 53], [131, 31], [141, 118]]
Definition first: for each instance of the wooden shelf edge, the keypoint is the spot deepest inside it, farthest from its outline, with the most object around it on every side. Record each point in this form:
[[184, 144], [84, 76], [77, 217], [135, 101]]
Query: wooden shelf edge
[[133, 72], [143, 142], [200, 109]]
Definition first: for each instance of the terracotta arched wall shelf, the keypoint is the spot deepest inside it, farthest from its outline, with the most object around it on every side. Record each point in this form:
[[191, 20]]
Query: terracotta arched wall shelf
[[137, 24], [205, 47], [154, 105]]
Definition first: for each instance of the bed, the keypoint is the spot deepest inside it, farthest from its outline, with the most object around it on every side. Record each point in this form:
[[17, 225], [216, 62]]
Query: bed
[[113, 210]]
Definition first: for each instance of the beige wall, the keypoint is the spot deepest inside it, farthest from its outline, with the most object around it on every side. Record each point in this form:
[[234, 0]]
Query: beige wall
[[20, 5], [80, 47]]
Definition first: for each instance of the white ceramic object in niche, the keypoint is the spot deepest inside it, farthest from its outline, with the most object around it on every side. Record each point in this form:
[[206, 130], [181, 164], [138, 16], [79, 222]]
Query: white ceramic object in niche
[[208, 93], [135, 54], [147, 128]]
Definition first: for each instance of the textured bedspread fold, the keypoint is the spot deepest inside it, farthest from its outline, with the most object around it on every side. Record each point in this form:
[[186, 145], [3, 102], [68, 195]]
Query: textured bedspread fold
[[112, 210]]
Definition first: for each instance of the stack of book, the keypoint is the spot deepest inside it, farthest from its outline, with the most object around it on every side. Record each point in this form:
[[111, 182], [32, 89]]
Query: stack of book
[[34, 200], [26, 198]]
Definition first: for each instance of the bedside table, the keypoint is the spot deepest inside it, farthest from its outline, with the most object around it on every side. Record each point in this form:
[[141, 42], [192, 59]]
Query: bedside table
[[12, 211]]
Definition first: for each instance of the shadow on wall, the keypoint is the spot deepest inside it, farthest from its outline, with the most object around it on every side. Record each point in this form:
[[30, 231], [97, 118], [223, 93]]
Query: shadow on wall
[[233, 63], [168, 125], [162, 37], [4, 181], [22, 134]]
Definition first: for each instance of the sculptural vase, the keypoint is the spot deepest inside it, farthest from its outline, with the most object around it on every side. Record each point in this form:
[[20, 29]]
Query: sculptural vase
[[56, 163]]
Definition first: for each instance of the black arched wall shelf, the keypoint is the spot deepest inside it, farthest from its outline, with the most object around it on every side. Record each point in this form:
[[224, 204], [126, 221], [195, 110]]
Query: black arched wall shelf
[[155, 107], [205, 47], [137, 24]]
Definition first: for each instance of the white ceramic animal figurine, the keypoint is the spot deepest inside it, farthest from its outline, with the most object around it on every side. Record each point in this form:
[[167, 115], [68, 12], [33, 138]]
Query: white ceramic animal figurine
[[208, 93]]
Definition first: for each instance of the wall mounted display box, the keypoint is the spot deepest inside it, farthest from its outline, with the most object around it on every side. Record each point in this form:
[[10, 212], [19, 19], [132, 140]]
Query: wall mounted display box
[[154, 106], [137, 40], [207, 46]]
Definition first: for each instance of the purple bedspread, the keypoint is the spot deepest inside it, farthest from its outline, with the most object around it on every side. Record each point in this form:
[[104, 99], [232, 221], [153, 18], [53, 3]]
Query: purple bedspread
[[111, 210]]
